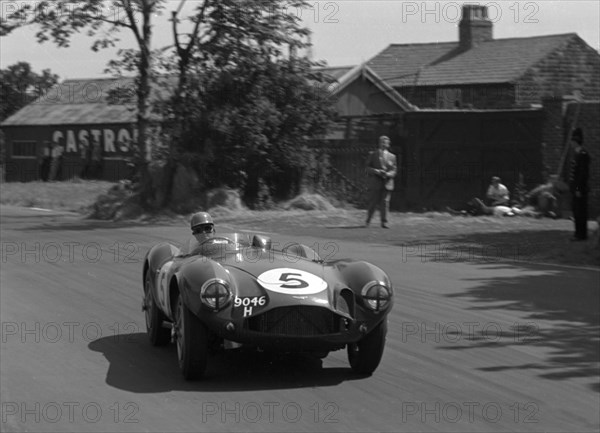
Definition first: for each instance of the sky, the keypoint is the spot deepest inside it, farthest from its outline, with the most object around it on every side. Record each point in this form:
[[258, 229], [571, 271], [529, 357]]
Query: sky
[[345, 32]]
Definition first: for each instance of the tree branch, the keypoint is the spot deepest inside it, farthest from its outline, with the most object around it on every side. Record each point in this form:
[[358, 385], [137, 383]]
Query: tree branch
[[175, 34], [196, 28], [132, 25]]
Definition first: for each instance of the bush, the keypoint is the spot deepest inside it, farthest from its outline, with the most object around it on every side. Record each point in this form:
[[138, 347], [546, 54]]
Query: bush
[[310, 202]]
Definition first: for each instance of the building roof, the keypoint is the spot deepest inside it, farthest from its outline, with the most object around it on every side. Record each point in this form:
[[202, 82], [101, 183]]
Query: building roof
[[343, 76], [333, 72], [364, 71], [495, 61], [398, 63], [81, 101]]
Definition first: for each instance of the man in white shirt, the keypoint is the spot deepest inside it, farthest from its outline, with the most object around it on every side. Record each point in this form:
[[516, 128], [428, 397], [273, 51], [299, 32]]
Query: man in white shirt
[[497, 194]]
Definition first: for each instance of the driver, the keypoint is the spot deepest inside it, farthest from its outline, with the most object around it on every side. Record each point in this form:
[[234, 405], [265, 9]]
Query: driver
[[202, 225]]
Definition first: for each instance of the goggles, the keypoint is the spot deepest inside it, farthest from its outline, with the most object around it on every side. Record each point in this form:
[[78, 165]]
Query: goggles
[[203, 229]]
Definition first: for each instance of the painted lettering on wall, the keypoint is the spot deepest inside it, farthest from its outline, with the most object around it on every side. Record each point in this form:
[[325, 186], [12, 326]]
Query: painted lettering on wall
[[110, 141]]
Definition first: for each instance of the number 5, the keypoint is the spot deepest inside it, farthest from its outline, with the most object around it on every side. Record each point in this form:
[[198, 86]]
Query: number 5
[[286, 277]]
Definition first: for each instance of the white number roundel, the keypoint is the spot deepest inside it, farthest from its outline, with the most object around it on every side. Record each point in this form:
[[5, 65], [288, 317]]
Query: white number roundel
[[291, 281]]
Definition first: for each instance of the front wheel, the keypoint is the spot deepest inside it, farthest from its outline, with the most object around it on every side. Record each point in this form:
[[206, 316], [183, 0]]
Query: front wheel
[[365, 354], [192, 339], [158, 335]]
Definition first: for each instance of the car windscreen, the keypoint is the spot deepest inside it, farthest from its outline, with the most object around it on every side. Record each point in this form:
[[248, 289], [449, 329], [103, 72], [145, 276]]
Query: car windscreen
[[215, 244]]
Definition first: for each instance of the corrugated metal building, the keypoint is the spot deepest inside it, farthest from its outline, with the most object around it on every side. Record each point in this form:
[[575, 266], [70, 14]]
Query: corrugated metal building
[[71, 131]]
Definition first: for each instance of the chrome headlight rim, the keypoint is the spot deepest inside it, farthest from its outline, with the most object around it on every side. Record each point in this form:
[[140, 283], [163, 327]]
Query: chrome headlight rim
[[380, 303], [217, 304]]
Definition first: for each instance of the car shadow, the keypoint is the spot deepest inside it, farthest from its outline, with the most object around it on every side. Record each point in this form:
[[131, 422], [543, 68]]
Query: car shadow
[[136, 366]]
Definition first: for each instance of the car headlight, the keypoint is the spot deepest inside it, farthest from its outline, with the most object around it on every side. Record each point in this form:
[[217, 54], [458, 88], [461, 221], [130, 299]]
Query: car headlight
[[377, 296], [215, 294]]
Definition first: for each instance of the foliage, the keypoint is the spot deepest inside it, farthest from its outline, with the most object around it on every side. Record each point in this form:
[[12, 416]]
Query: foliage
[[243, 106], [260, 118], [19, 86]]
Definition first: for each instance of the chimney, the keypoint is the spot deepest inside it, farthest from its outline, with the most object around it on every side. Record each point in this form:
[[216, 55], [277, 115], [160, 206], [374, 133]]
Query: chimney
[[475, 26]]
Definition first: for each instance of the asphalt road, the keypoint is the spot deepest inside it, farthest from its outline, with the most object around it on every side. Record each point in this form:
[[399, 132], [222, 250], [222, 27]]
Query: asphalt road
[[475, 345]]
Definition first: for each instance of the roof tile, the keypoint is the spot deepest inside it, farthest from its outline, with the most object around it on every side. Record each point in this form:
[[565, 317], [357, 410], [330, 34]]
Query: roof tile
[[496, 61]]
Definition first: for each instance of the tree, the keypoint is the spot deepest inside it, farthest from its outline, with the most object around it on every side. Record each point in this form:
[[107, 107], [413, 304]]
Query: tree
[[262, 118], [60, 20], [244, 96], [19, 86]]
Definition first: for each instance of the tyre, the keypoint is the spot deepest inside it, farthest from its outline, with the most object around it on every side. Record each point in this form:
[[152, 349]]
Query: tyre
[[365, 354], [192, 339], [157, 333]]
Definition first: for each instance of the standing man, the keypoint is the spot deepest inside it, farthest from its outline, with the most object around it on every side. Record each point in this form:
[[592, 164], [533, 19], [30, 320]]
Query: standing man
[[381, 171], [56, 154], [578, 184], [46, 158], [96, 160]]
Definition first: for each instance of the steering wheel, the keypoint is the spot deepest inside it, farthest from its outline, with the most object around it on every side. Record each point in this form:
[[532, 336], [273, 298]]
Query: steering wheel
[[217, 239]]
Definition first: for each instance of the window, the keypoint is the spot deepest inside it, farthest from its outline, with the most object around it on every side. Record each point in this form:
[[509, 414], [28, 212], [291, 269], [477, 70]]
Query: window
[[448, 98], [24, 149]]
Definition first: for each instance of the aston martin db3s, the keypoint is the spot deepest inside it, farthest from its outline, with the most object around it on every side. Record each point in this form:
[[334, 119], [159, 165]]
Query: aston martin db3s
[[230, 290]]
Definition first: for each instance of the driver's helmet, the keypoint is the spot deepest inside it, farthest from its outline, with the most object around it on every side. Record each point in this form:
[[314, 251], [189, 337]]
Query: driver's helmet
[[202, 223]]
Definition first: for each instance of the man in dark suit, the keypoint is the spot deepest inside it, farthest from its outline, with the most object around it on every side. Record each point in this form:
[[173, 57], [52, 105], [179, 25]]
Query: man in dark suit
[[381, 171], [578, 184]]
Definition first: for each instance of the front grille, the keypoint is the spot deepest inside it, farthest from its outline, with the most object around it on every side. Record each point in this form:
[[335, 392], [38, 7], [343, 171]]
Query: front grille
[[296, 321]]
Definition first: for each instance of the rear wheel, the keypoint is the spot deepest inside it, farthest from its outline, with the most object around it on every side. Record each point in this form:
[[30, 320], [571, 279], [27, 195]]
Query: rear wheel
[[158, 335], [192, 339], [365, 355]]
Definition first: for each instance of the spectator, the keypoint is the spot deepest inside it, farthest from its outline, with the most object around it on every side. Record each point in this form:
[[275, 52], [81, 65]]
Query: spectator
[[544, 198], [578, 184], [381, 171], [45, 165], [477, 207], [56, 162], [497, 194], [86, 160]]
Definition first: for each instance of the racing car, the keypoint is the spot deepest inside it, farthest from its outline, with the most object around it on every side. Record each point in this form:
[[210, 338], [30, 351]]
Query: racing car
[[236, 290]]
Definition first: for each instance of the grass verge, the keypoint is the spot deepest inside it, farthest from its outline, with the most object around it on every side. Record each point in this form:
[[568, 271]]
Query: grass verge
[[75, 196]]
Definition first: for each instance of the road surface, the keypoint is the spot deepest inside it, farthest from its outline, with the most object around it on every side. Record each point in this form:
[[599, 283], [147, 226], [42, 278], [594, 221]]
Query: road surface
[[473, 345]]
